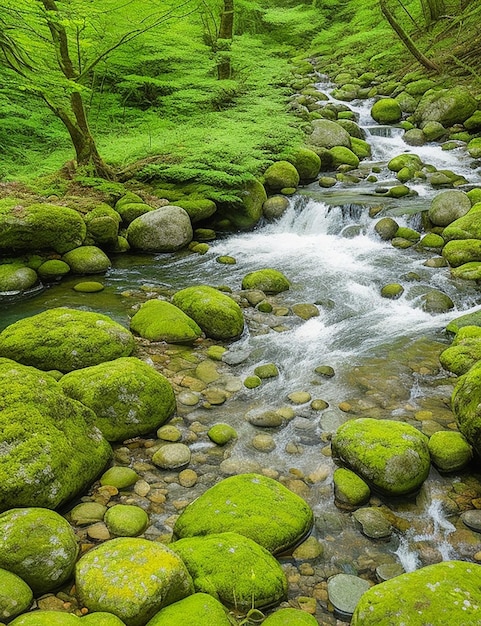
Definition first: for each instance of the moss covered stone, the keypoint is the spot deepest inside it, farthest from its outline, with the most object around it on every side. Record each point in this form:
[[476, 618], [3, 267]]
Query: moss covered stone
[[386, 228], [65, 339], [412, 161], [327, 134], [392, 291], [290, 617], [267, 280], [87, 260], [446, 106], [386, 111], [125, 520], [268, 370], [460, 251], [431, 241], [360, 148], [221, 434], [252, 505], [251, 382], [464, 352], [218, 315], [50, 449], [47, 618], [101, 618], [38, 545], [468, 271], [234, 569], [450, 451], [103, 225], [306, 162], [465, 401], [448, 206], [349, 488], [15, 595], [128, 396], [88, 286], [132, 578], [53, 269], [467, 226], [39, 227], [445, 593], [281, 174], [469, 319], [341, 155], [198, 209], [119, 476], [200, 609], [158, 320], [16, 277], [436, 301], [391, 456], [163, 230]]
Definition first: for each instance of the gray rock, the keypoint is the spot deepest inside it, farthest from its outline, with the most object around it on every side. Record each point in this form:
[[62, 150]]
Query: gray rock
[[345, 592], [172, 456], [164, 230], [448, 206], [327, 134], [472, 519], [373, 523]]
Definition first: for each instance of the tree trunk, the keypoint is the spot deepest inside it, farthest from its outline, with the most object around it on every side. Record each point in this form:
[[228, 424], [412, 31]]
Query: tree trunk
[[405, 38], [226, 33], [436, 8]]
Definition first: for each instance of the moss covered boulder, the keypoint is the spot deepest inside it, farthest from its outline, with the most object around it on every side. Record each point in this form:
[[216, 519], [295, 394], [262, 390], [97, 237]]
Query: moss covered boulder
[[158, 320], [38, 545], [15, 595], [87, 260], [275, 207], [343, 156], [252, 505], [460, 251], [280, 175], [386, 111], [392, 457], [467, 226], [198, 209], [51, 449], [200, 609], [306, 162], [327, 134], [128, 396], [450, 451], [47, 618], [101, 618], [446, 106], [448, 206], [411, 161], [103, 225], [464, 352], [53, 269], [446, 593], [65, 339], [132, 578], [245, 214], [131, 206], [234, 569], [469, 319], [266, 280], [16, 277], [465, 402], [349, 488], [126, 520], [163, 230], [218, 315], [290, 617], [39, 227]]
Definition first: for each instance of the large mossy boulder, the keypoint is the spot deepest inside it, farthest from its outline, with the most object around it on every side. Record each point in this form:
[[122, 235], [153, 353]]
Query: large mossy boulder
[[87, 260], [103, 225], [281, 175], [51, 449], [446, 106], [47, 618], [17, 277], [386, 111], [15, 595], [158, 320], [290, 617], [132, 578], [131, 206], [401, 161], [327, 134], [464, 352], [444, 594], [306, 162], [200, 609], [267, 280], [234, 569], [163, 230], [38, 545], [65, 339], [450, 452], [245, 214], [128, 397], [252, 505], [218, 315], [391, 456], [448, 206], [469, 319], [198, 209], [465, 402], [460, 251], [466, 226], [39, 227]]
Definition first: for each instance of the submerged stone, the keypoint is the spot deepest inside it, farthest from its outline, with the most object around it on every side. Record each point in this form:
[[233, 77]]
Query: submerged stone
[[444, 593], [132, 578], [252, 505], [391, 456], [234, 569], [345, 590]]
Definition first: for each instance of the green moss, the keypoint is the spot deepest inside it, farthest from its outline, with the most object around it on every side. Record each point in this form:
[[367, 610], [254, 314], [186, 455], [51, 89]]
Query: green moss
[[103, 225], [157, 320], [198, 209], [459, 252], [350, 488], [16, 277], [470, 319], [129, 397], [360, 148], [234, 569], [200, 609], [464, 352], [465, 401], [269, 370], [87, 260], [386, 111], [218, 315], [15, 595], [47, 618], [343, 156], [412, 161], [252, 505], [408, 233], [267, 280], [306, 162], [88, 286], [124, 520], [101, 619], [53, 269], [449, 451], [221, 434], [120, 477]]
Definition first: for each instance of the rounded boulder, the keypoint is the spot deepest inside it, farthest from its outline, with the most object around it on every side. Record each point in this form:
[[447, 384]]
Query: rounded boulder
[[386, 111], [158, 320], [163, 230], [87, 260], [280, 175], [448, 206], [200, 609], [266, 280]]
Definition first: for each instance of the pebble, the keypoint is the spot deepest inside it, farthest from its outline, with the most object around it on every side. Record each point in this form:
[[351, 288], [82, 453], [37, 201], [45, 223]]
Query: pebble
[[373, 523], [345, 591], [188, 398], [188, 478], [268, 419], [98, 531], [309, 549], [87, 513], [264, 443], [169, 433], [319, 405], [299, 397], [119, 478], [172, 456], [388, 570], [215, 396]]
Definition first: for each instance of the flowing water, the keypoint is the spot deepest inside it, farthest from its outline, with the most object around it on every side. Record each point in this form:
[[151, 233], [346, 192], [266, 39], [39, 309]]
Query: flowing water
[[384, 352]]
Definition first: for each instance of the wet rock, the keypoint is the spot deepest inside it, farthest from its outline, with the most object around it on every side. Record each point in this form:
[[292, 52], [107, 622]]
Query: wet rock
[[448, 591], [128, 396], [386, 111], [172, 456], [299, 397], [290, 617], [325, 370], [344, 591], [349, 488], [275, 207], [125, 520], [266, 280], [412, 161], [373, 523], [132, 578], [251, 382], [269, 370], [188, 478], [386, 571], [386, 228], [464, 352], [327, 134], [327, 181], [219, 316], [469, 319], [414, 137], [226, 260], [87, 513], [305, 311], [472, 519], [436, 301], [449, 451], [188, 398], [267, 419], [235, 569], [87, 260], [392, 291], [38, 545], [17, 277], [15, 595], [207, 372], [47, 618], [252, 505], [390, 455], [281, 174], [169, 433], [163, 230], [434, 131], [89, 286], [119, 477], [157, 320], [263, 443], [319, 405], [215, 396], [75, 339], [448, 206], [446, 106], [221, 434], [465, 400], [200, 609]]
